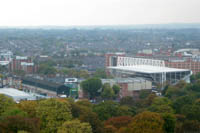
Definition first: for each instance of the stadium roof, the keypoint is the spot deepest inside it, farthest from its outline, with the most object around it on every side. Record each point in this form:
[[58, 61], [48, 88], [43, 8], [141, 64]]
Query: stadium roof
[[148, 69]]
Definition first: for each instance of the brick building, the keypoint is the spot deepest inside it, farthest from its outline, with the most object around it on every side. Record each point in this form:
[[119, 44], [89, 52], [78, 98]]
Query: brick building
[[111, 58], [22, 63], [184, 64], [130, 86]]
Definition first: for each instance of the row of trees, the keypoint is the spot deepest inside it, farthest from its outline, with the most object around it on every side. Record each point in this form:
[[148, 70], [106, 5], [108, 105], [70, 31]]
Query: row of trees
[[67, 116], [177, 111]]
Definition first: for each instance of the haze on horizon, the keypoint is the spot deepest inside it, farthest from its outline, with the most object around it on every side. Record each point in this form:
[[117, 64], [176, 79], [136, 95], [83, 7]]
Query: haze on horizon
[[97, 12]]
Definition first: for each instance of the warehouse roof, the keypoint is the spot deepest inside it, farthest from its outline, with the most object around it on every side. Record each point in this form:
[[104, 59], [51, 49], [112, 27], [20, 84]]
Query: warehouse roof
[[17, 95]]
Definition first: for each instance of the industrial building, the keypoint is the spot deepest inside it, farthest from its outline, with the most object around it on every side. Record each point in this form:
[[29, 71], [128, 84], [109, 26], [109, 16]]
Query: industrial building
[[129, 86], [17, 95], [44, 87]]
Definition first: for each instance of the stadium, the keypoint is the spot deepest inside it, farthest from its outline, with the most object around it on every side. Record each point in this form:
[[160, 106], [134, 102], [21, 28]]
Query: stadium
[[154, 70]]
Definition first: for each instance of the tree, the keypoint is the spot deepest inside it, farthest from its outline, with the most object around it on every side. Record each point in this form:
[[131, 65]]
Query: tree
[[109, 129], [128, 100], [19, 73], [174, 92], [13, 124], [49, 62], [161, 105], [46, 69], [182, 101], [13, 111], [85, 103], [84, 74], [191, 111], [91, 86], [106, 110], [181, 84], [22, 132], [64, 71], [100, 73], [161, 109], [188, 126], [196, 86], [92, 118], [3, 69], [75, 126], [146, 122], [108, 92], [169, 122], [116, 89], [149, 100], [29, 107], [5, 103], [73, 73], [144, 94], [82, 110], [192, 78], [118, 122], [126, 111], [53, 113]]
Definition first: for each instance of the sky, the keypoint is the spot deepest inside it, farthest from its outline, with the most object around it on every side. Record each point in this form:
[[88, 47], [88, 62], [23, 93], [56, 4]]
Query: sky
[[97, 12]]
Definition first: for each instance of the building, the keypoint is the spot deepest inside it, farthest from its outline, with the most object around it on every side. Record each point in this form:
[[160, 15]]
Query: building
[[6, 55], [73, 85], [154, 70], [111, 58], [44, 87], [22, 63], [17, 95], [187, 63], [4, 63], [49, 88], [186, 52], [145, 52], [130, 86]]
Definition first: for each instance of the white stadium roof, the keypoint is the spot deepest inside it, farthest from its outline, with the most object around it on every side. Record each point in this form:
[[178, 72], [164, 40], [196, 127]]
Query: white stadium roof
[[148, 69]]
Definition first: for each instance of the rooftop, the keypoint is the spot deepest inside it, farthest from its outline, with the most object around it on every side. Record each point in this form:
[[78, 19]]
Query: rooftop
[[123, 80], [3, 63], [17, 95], [148, 69]]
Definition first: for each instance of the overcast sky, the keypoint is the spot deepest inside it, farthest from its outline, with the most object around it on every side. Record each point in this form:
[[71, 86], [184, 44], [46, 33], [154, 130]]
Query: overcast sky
[[97, 12]]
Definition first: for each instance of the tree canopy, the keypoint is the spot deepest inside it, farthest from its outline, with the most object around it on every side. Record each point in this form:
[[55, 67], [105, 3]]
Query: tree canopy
[[75, 126], [92, 86]]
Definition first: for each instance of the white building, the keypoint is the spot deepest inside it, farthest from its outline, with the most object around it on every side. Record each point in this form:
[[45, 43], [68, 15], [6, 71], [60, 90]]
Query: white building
[[17, 95]]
